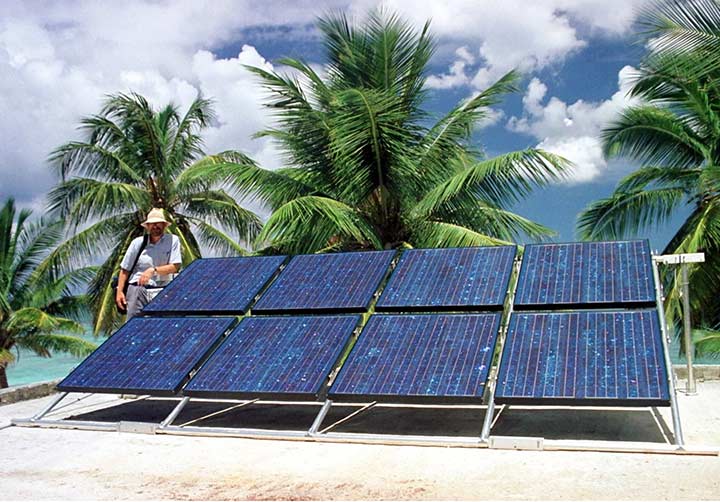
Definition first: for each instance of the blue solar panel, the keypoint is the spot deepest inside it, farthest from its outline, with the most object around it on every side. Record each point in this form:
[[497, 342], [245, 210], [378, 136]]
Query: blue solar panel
[[449, 279], [342, 282], [283, 357], [420, 358], [148, 356], [586, 274], [611, 358], [216, 285]]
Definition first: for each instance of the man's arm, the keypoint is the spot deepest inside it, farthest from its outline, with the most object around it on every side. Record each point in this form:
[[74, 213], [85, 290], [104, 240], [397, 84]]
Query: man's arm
[[120, 299], [170, 268]]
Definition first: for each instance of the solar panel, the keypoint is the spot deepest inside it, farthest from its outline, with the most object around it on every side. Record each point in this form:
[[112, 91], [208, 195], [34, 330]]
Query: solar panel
[[216, 286], [586, 274], [148, 356], [280, 357], [342, 282], [449, 279], [420, 358], [584, 358]]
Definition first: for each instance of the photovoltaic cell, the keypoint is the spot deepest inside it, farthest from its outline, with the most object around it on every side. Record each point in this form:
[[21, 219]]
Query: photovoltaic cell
[[342, 282], [148, 356], [584, 358], [420, 358], [586, 275], [216, 286], [281, 357], [449, 279]]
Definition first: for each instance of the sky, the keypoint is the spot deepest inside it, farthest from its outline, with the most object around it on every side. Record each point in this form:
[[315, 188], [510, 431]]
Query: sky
[[59, 59]]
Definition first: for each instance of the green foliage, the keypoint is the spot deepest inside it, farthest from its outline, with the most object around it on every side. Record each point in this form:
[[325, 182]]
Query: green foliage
[[364, 170], [675, 135], [684, 27], [38, 309], [134, 158], [707, 342]]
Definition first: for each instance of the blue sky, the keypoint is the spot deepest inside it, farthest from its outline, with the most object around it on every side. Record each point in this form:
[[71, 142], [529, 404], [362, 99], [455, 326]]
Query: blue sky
[[58, 59]]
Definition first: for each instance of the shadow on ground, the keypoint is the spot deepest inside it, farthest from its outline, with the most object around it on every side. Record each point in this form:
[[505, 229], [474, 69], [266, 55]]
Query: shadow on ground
[[550, 423]]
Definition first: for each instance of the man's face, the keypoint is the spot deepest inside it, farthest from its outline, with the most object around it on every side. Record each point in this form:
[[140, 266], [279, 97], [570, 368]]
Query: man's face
[[156, 229]]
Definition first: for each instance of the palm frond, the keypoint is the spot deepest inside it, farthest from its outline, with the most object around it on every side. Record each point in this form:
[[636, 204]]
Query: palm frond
[[681, 27], [86, 199], [307, 224], [653, 136], [652, 176], [437, 234], [44, 345], [217, 206], [501, 180], [707, 342], [625, 213], [93, 161], [217, 240]]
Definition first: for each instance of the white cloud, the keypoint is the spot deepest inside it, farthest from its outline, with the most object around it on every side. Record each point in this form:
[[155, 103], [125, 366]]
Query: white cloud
[[456, 75], [58, 60], [572, 130], [511, 34]]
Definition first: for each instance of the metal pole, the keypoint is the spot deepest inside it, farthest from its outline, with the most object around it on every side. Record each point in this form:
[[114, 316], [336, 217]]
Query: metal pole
[[319, 418], [50, 406], [691, 389], [175, 412], [675, 409]]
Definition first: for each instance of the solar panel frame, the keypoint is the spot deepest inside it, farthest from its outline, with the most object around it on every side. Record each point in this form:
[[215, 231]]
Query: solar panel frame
[[588, 272], [131, 339], [583, 330], [233, 290], [303, 276], [424, 273], [248, 342], [377, 335]]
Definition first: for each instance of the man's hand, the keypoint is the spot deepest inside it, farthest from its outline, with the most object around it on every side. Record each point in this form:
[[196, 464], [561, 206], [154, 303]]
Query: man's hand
[[146, 276], [120, 300]]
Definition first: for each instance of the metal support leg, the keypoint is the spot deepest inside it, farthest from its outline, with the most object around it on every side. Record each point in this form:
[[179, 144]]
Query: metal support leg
[[677, 427], [175, 412], [320, 417], [487, 423], [50, 406], [691, 389]]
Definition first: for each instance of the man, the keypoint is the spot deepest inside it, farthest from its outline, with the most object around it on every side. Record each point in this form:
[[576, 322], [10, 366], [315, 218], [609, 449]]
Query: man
[[160, 258]]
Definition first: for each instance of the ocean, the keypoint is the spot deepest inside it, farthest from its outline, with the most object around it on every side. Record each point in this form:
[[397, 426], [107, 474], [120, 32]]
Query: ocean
[[31, 368]]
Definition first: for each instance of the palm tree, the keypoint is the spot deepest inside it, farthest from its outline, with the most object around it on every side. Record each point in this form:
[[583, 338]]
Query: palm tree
[[133, 159], [37, 307], [675, 134], [364, 171]]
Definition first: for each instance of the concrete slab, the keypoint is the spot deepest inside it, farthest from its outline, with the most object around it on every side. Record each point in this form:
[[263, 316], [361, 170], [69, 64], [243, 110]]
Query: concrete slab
[[81, 465]]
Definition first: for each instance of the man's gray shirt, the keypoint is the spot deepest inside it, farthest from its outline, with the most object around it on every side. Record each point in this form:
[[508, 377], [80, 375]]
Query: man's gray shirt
[[166, 250]]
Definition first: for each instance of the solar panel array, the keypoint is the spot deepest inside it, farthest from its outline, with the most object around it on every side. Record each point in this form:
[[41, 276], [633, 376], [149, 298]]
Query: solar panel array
[[342, 282], [148, 356], [216, 286], [580, 358], [587, 358], [433, 357], [283, 357], [589, 274], [449, 279]]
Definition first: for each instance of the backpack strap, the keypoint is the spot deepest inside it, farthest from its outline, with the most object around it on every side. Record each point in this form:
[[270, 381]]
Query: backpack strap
[[137, 257]]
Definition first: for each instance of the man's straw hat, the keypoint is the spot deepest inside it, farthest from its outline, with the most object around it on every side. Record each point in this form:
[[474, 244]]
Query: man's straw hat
[[155, 215]]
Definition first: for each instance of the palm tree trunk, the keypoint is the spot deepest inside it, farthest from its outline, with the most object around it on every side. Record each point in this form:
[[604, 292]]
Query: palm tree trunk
[[3, 377]]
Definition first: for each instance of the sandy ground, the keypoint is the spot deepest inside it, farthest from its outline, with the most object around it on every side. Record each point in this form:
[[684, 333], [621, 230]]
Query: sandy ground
[[80, 465]]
